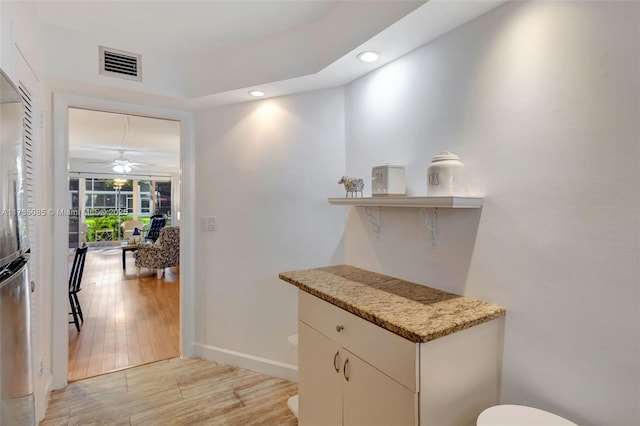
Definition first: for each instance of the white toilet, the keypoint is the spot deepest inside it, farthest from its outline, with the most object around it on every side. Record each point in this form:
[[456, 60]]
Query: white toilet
[[519, 415]]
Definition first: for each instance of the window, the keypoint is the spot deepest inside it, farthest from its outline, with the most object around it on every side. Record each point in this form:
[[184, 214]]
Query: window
[[154, 196], [163, 198], [106, 201]]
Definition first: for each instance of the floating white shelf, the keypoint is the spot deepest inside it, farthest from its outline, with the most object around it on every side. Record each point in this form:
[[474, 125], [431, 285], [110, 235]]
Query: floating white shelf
[[421, 202]]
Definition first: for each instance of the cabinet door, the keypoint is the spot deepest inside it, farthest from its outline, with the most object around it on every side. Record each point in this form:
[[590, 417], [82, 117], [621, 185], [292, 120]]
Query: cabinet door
[[372, 398], [320, 385]]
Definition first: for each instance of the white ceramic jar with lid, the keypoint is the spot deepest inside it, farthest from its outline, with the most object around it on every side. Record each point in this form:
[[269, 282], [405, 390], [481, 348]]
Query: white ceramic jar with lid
[[445, 176]]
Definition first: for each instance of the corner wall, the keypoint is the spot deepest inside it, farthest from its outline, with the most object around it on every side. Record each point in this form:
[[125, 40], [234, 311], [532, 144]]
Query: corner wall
[[21, 54], [540, 100], [264, 169]]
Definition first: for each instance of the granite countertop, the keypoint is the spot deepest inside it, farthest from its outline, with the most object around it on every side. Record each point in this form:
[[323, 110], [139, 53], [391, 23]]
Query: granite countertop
[[413, 311]]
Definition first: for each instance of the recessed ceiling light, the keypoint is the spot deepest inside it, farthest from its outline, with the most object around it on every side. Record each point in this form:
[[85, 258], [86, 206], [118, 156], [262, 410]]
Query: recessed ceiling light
[[369, 56], [257, 93]]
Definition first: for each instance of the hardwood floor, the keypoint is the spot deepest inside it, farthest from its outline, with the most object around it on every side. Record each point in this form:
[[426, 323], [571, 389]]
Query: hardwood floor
[[174, 392], [128, 320]]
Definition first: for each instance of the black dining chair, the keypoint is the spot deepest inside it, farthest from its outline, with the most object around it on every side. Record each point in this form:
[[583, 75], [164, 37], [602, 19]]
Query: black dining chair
[[75, 279]]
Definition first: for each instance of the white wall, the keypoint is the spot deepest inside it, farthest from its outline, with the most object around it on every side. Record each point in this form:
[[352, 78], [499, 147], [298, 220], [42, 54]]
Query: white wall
[[23, 54], [70, 55], [21, 57], [20, 34], [264, 169], [541, 101]]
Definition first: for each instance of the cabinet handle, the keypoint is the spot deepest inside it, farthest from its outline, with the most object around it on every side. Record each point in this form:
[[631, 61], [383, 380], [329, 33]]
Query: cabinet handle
[[335, 362], [339, 328], [344, 370]]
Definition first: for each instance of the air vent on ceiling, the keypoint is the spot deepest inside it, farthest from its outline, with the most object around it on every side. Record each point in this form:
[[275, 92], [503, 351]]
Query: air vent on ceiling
[[116, 63]]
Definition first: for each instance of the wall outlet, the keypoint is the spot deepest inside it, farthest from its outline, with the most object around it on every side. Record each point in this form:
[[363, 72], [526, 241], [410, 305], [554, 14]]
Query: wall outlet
[[41, 367]]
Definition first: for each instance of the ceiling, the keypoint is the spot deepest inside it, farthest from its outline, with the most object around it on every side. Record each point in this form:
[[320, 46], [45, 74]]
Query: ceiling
[[224, 31], [191, 27], [98, 138]]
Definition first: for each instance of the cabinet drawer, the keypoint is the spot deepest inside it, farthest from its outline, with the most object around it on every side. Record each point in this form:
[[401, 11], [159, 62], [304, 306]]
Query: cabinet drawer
[[386, 351]]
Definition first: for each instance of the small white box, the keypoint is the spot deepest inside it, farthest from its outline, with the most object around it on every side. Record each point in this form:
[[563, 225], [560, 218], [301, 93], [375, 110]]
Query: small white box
[[387, 181]]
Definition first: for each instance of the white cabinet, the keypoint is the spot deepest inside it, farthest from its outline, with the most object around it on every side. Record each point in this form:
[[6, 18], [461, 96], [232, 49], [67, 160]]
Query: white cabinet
[[355, 373], [372, 398], [338, 388], [319, 377]]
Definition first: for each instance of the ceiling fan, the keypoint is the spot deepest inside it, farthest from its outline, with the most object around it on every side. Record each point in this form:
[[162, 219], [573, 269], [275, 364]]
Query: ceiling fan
[[120, 164]]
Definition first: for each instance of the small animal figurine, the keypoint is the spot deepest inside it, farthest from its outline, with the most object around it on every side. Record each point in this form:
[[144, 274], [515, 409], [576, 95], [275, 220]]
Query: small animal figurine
[[352, 185]]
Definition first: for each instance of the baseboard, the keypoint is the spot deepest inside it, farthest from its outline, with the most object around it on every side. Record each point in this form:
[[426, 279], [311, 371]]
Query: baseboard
[[248, 362], [42, 410]]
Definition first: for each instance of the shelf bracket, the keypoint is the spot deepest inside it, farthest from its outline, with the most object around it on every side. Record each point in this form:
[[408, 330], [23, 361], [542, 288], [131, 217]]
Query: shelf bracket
[[431, 223], [376, 222]]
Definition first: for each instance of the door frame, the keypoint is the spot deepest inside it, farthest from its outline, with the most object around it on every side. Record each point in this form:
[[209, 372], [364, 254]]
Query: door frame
[[60, 119]]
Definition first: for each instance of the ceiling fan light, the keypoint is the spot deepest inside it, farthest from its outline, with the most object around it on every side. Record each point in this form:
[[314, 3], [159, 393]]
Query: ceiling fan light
[[122, 168]]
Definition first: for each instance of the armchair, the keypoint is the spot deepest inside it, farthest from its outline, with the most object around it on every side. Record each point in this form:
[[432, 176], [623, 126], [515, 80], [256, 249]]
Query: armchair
[[128, 227], [164, 253]]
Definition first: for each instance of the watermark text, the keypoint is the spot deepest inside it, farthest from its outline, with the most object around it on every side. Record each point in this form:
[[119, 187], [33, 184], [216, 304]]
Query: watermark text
[[63, 212]]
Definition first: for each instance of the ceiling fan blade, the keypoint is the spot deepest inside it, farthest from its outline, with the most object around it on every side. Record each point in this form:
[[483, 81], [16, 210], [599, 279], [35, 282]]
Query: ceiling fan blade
[[108, 148]]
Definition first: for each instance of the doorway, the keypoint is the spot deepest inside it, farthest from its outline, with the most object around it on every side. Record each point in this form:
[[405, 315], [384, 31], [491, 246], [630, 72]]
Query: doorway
[[114, 157], [184, 182]]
